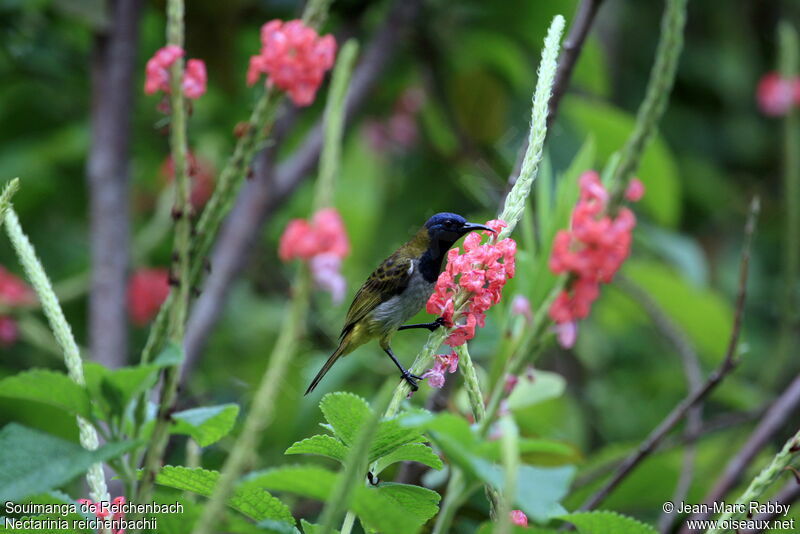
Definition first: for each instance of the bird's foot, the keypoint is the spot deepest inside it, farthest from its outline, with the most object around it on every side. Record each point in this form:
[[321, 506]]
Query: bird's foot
[[411, 379], [373, 480]]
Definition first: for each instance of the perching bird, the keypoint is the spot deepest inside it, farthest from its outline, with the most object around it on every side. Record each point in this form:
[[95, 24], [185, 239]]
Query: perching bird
[[398, 289]]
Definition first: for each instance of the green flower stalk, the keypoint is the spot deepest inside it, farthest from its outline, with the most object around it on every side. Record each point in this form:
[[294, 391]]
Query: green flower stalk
[[180, 267], [61, 331], [471, 382], [263, 407], [659, 87], [509, 442], [762, 481], [515, 201]]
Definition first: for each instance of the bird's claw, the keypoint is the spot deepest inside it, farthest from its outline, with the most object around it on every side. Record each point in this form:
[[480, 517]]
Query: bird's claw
[[373, 480], [412, 380]]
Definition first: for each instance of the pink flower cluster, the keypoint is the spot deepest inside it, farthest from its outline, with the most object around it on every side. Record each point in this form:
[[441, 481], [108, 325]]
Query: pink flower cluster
[[399, 131], [482, 270], [519, 518], [102, 510], [14, 293], [777, 95], [591, 251], [294, 58], [157, 73], [323, 244], [147, 291], [443, 363]]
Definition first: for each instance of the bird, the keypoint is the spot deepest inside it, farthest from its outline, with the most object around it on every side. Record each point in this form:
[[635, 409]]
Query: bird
[[397, 290]]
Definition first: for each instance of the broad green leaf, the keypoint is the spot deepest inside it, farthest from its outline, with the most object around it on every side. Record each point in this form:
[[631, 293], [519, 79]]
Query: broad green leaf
[[253, 502], [172, 354], [393, 511], [346, 413], [321, 445], [208, 424], [32, 462], [703, 314], [391, 435], [277, 527], [544, 386], [120, 386], [603, 522], [657, 170], [49, 387], [415, 500], [411, 452], [311, 528], [531, 447]]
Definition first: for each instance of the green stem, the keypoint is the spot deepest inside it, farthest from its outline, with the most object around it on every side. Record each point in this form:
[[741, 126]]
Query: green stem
[[355, 464], [348, 523], [61, 330], [263, 408], [659, 86], [455, 495], [510, 453], [331, 155], [180, 267], [761, 482], [789, 64]]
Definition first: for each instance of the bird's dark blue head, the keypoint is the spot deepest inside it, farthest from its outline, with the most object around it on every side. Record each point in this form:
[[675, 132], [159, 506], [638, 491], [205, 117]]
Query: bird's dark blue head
[[447, 228]]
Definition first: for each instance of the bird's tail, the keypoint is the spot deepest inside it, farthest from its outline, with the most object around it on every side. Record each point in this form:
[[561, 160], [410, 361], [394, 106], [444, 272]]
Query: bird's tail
[[328, 364]]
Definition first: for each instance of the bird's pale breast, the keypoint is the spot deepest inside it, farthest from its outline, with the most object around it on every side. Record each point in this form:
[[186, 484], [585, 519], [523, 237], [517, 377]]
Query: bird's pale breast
[[400, 308]]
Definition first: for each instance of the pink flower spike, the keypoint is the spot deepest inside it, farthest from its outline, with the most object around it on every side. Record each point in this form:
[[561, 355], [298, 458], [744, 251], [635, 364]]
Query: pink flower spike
[[435, 377], [519, 518], [194, 79], [775, 94], [157, 69], [635, 190]]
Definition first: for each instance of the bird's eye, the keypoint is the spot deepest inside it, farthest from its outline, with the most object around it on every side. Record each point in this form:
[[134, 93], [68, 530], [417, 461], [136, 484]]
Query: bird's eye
[[448, 223]]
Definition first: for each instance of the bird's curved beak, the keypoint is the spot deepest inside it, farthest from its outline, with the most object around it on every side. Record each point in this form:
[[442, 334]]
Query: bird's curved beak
[[469, 227]]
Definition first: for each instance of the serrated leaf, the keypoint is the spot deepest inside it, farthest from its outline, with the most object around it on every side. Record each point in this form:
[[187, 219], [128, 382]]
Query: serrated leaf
[[254, 502], [321, 445], [311, 528], [416, 500], [121, 385], [602, 522], [208, 424], [346, 413], [33, 462], [48, 387], [379, 510], [391, 435], [410, 452]]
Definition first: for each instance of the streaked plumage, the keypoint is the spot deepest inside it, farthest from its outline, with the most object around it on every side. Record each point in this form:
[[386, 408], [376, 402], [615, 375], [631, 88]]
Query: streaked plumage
[[398, 289]]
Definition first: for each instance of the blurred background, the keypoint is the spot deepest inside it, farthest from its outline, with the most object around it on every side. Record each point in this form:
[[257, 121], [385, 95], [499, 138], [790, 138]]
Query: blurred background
[[443, 108]]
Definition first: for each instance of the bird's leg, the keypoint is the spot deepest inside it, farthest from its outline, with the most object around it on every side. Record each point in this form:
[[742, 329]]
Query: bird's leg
[[373, 480], [430, 326], [407, 376]]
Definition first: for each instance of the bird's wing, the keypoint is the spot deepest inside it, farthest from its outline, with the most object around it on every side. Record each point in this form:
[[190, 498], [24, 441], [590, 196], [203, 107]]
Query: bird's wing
[[388, 280]]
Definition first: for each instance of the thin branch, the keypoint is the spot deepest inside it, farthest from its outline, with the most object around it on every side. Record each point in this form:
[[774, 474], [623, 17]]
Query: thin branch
[[571, 51], [779, 412], [113, 64], [694, 378], [260, 197], [729, 362]]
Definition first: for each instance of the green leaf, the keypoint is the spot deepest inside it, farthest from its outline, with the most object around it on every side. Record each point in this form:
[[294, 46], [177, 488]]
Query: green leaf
[[602, 522], [657, 170], [392, 511], [121, 385], [411, 452], [251, 501], [208, 424], [171, 355], [346, 413], [48, 387], [321, 445], [545, 385], [311, 528], [391, 435], [277, 527], [33, 462]]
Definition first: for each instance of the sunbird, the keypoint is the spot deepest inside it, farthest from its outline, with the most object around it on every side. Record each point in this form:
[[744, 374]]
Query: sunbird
[[398, 289]]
